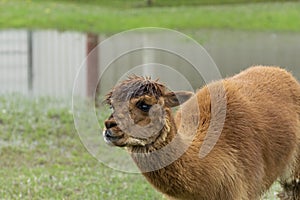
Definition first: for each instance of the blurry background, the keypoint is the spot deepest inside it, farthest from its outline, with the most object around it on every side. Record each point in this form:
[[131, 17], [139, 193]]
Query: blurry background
[[41, 57], [44, 43]]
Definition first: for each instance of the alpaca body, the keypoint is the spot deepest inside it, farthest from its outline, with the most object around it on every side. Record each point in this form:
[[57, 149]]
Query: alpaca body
[[259, 142]]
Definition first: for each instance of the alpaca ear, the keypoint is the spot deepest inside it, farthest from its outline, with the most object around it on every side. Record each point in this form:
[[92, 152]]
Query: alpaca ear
[[173, 99]]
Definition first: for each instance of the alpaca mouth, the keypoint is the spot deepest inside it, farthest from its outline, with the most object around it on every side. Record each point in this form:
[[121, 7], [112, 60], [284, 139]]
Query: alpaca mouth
[[110, 138], [123, 140]]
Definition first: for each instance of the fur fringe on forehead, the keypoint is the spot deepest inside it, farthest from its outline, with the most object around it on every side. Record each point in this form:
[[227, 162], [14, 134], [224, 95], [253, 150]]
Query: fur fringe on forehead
[[135, 86]]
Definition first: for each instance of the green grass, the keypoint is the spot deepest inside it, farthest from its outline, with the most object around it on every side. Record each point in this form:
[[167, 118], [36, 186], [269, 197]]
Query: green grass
[[42, 157], [104, 19], [158, 3]]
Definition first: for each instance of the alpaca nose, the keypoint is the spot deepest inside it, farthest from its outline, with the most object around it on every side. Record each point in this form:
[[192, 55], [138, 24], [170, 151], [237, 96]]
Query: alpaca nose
[[108, 133], [110, 123]]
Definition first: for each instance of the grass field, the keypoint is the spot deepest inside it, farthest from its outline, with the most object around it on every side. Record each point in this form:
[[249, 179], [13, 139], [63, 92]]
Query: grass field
[[69, 15], [42, 157], [159, 3]]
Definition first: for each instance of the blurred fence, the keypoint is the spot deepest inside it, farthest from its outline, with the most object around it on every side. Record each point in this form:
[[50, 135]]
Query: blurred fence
[[13, 61], [40, 62], [45, 63]]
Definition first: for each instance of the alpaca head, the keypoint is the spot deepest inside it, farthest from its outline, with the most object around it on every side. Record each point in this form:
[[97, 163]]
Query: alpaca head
[[141, 112]]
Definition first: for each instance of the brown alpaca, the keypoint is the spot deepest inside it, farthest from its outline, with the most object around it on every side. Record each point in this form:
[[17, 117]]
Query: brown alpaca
[[258, 142]]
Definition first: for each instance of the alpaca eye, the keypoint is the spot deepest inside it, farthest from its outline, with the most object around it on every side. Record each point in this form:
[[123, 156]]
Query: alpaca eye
[[143, 106]]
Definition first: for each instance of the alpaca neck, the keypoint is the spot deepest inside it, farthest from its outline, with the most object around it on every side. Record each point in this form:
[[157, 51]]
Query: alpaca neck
[[164, 163], [166, 149], [165, 137], [164, 167]]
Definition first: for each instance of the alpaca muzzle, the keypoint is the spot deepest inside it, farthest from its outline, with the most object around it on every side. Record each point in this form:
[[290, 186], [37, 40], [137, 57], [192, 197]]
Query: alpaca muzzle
[[112, 139]]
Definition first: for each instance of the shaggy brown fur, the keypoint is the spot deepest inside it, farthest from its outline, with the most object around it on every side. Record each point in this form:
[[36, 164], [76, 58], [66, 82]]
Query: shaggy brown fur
[[259, 142]]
